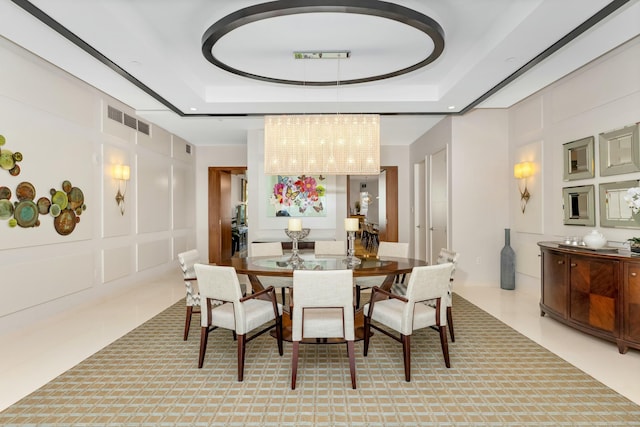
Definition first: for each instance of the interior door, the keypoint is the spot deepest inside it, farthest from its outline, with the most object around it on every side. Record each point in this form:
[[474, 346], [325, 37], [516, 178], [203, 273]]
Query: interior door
[[419, 212], [225, 215], [220, 212], [438, 204], [382, 205], [390, 201]]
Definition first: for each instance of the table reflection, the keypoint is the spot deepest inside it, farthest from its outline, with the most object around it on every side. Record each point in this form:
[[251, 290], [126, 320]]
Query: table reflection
[[316, 263]]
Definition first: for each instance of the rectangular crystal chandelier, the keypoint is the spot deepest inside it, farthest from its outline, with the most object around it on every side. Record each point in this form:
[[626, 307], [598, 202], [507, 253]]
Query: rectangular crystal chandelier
[[328, 144]]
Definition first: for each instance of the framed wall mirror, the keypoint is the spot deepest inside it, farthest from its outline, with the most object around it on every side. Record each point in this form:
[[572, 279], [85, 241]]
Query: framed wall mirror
[[578, 159], [579, 205], [619, 151], [614, 211]]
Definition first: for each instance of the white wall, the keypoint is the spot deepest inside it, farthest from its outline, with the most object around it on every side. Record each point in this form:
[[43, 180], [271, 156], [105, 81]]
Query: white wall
[[600, 97], [485, 144], [480, 178], [478, 193], [262, 227], [434, 140], [60, 125]]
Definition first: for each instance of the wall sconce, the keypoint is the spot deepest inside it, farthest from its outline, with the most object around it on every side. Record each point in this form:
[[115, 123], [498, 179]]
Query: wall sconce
[[522, 171], [122, 174]]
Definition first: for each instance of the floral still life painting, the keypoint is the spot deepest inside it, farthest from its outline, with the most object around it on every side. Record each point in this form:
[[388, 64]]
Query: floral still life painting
[[303, 195]]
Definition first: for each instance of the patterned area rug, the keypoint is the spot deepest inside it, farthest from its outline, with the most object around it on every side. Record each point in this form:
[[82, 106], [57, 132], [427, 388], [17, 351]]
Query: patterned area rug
[[497, 377]]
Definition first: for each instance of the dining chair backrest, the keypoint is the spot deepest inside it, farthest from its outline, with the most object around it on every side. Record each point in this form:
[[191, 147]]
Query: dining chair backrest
[[426, 283], [187, 260], [393, 249], [447, 255], [330, 247], [220, 283], [266, 249], [323, 289]]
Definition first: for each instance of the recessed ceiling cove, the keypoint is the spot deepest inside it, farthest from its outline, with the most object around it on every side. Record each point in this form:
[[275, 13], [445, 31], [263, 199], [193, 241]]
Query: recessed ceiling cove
[[255, 42]]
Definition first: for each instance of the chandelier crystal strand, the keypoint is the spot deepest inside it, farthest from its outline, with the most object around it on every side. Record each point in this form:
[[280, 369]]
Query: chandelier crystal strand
[[329, 144]]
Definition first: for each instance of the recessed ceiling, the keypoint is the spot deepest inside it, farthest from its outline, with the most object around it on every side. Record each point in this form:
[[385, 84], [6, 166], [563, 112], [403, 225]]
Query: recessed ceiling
[[496, 52]]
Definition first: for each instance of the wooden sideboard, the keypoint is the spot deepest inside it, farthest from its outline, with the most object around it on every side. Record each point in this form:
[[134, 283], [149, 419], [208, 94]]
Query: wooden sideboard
[[597, 292]]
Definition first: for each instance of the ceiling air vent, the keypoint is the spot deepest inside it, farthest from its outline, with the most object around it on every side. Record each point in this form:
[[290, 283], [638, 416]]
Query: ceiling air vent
[[130, 121], [143, 127], [114, 114]]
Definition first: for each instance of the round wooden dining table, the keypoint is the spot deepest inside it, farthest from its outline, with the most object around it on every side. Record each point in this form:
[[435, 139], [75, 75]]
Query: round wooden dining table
[[388, 267]]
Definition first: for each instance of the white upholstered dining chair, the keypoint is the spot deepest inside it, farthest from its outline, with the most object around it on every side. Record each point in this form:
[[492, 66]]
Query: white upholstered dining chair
[[405, 314], [385, 249], [322, 308], [187, 260], [239, 314], [330, 247], [445, 256], [271, 249]]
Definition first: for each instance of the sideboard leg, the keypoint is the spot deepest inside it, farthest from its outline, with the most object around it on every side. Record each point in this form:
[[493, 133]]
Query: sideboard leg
[[622, 347]]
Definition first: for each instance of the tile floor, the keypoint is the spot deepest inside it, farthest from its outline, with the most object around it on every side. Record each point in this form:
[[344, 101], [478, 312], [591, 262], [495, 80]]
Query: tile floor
[[34, 355]]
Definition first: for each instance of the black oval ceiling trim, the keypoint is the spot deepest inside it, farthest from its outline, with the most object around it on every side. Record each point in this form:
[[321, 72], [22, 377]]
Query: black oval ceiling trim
[[274, 9]]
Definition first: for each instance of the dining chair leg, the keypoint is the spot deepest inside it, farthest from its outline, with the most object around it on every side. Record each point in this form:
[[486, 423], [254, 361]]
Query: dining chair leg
[[450, 323], [358, 289], [187, 322], [204, 335], [352, 363], [283, 295], [445, 346], [242, 342], [279, 334], [406, 351], [367, 330], [294, 364]]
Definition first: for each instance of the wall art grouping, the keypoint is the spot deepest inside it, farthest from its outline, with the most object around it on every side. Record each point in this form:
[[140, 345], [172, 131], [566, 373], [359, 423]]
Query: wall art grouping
[[8, 159], [619, 154], [65, 205], [303, 195]]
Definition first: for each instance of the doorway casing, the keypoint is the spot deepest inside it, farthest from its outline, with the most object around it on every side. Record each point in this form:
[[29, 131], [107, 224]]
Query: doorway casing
[[220, 211]]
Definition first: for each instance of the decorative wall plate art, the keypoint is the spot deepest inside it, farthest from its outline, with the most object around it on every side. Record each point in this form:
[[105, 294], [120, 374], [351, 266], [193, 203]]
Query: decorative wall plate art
[[26, 213], [6, 209], [5, 193], [8, 159], [59, 198], [65, 206], [65, 223], [75, 197], [25, 191], [55, 210], [43, 205], [303, 195]]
